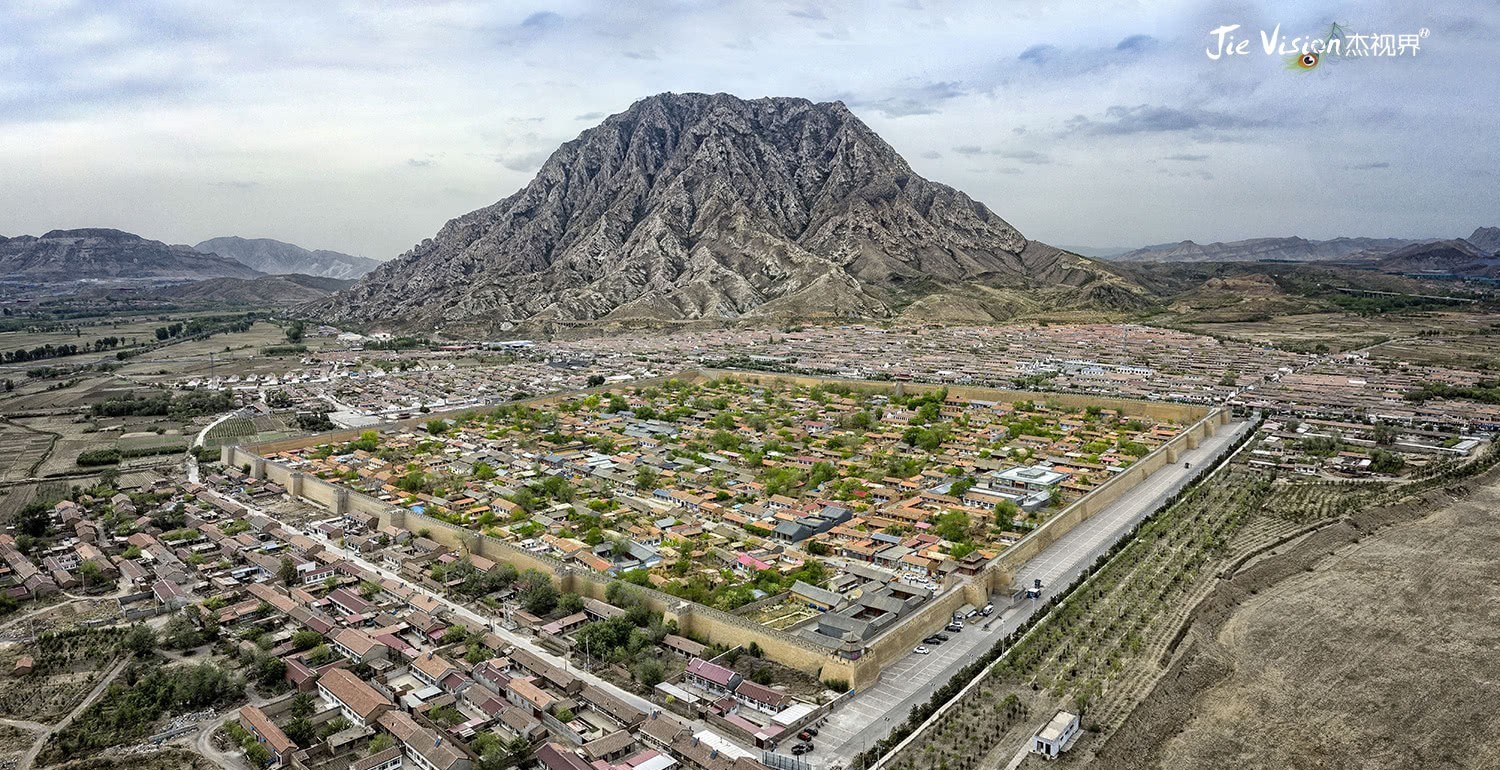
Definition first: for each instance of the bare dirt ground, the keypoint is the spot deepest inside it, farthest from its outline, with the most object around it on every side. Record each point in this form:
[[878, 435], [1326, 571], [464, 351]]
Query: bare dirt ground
[[1371, 643], [1345, 331], [168, 759]]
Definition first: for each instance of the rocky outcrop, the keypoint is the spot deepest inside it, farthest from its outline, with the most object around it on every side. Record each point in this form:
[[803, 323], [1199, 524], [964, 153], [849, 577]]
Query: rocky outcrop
[[697, 206]]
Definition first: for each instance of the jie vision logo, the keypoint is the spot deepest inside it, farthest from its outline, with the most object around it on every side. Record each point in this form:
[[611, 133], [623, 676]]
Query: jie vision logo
[[1305, 52]]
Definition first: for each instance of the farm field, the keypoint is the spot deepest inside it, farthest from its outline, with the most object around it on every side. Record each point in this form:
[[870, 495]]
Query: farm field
[[1344, 331], [35, 396], [1478, 352], [141, 328], [20, 451], [244, 356], [74, 437], [1385, 654], [243, 430]]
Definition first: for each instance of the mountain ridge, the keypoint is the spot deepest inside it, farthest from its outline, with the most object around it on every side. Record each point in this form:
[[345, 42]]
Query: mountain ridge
[[1287, 249]]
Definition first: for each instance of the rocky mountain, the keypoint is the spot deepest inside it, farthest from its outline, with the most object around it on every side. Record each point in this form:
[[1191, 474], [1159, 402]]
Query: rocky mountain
[[1291, 249], [266, 291], [100, 253], [280, 258], [1486, 239], [697, 206], [1453, 257]]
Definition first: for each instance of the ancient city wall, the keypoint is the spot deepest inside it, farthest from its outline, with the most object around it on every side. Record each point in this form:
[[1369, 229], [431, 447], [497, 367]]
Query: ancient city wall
[[725, 628]]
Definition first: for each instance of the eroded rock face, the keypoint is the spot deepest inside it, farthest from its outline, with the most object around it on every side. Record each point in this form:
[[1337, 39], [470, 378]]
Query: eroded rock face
[[696, 206]]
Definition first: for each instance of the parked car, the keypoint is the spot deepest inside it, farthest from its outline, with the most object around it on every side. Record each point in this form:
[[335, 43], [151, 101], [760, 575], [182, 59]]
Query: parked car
[[988, 608], [921, 650], [941, 637], [955, 626], [805, 735], [932, 640], [801, 748], [813, 731]]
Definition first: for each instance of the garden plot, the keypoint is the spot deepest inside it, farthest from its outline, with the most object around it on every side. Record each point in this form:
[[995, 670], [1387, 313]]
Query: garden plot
[[783, 615], [66, 666]]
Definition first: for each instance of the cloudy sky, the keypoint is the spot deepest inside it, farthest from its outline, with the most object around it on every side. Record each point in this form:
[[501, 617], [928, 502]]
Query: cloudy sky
[[363, 126]]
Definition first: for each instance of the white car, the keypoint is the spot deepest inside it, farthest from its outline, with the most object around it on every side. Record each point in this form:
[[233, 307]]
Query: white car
[[921, 650]]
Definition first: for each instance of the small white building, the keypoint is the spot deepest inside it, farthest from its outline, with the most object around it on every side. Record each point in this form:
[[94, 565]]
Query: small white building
[[1057, 736]]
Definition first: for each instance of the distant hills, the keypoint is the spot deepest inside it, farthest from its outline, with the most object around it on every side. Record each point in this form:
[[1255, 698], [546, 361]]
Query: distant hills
[[1291, 249], [63, 256], [265, 291], [1457, 257], [690, 207], [1477, 256], [280, 258]]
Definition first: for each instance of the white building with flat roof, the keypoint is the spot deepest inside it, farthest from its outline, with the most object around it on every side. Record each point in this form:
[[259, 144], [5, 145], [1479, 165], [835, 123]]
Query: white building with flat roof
[[1057, 736], [1032, 478]]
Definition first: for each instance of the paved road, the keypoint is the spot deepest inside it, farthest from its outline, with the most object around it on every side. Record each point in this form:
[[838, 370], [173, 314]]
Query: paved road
[[871, 714]]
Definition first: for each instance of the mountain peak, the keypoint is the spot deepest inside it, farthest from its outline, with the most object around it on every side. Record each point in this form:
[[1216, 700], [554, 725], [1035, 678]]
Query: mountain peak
[[1487, 239], [708, 206]]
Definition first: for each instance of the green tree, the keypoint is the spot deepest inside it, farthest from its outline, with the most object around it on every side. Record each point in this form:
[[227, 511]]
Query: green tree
[[537, 594], [140, 640], [302, 705], [181, 633], [287, 574], [91, 574], [306, 639], [270, 672], [649, 672]]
